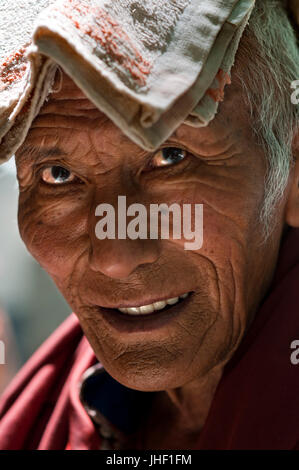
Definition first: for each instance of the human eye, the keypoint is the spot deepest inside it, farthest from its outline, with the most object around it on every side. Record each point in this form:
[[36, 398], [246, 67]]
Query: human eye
[[168, 156], [58, 175]]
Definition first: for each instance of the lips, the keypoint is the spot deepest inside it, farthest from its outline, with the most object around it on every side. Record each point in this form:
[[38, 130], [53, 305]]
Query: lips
[[145, 322], [153, 307]]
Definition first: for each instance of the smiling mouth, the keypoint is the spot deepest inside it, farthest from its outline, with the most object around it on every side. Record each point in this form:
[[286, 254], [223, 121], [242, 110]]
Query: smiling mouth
[[147, 317], [153, 307]]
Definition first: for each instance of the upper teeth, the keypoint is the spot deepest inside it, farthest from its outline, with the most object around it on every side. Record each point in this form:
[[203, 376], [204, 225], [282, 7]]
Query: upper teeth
[[145, 309]]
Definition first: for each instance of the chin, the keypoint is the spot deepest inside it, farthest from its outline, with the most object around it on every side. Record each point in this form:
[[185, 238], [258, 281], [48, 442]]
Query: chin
[[152, 379], [150, 374]]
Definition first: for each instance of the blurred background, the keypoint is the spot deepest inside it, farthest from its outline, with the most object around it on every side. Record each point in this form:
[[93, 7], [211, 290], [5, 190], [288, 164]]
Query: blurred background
[[31, 307]]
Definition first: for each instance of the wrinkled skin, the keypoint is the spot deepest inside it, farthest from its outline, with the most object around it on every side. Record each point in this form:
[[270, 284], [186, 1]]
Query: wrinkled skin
[[228, 276]]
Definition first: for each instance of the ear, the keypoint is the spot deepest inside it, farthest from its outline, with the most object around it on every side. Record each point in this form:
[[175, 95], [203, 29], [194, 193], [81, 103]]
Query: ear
[[292, 206]]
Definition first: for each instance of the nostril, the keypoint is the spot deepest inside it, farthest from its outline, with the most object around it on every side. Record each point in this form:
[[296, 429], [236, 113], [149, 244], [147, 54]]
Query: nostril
[[118, 259], [117, 270], [112, 265]]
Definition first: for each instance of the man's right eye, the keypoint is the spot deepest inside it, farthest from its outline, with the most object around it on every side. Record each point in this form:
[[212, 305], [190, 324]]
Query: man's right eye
[[57, 175], [168, 156]]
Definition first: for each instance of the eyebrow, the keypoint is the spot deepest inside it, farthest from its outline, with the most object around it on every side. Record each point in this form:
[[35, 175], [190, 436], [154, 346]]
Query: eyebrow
[[41, 153]]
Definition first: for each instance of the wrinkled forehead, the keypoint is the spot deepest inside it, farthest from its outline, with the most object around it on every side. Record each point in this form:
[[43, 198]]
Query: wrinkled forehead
[[69, 121], [67, 97]]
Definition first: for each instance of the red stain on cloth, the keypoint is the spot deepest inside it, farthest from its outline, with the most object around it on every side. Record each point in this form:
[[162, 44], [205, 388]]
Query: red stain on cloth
[[13, 68], [106, 31]]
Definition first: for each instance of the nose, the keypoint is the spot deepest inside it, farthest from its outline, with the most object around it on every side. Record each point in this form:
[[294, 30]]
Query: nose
[[119, 257]]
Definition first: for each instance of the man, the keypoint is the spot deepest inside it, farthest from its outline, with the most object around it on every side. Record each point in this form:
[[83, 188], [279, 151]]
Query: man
[[194, 346]]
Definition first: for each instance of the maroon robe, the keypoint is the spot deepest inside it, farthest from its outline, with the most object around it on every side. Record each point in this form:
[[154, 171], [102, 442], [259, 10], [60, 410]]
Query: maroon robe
[[256, 405]]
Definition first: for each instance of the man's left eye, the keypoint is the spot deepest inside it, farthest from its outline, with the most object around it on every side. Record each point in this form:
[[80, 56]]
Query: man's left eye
[[57, 175], [168, 156]]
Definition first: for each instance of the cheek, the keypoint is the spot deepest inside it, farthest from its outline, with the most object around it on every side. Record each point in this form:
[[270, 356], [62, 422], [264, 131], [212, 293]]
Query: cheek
[[54, 231], [221, 215], [230, 230]]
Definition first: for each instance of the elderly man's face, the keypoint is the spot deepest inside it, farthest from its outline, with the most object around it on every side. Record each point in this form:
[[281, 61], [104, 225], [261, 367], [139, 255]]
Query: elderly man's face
[[223, 169]]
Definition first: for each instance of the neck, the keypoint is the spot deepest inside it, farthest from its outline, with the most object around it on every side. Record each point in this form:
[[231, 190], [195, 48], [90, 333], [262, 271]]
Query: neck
[[189, 405], [178, 415]]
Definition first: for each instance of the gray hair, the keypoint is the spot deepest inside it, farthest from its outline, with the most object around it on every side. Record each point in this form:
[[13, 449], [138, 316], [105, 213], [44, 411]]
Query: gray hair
[[269, 59], [268, 62]]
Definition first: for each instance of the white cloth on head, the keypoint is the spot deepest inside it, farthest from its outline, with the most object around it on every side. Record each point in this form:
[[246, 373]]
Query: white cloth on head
[[148, 65]]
